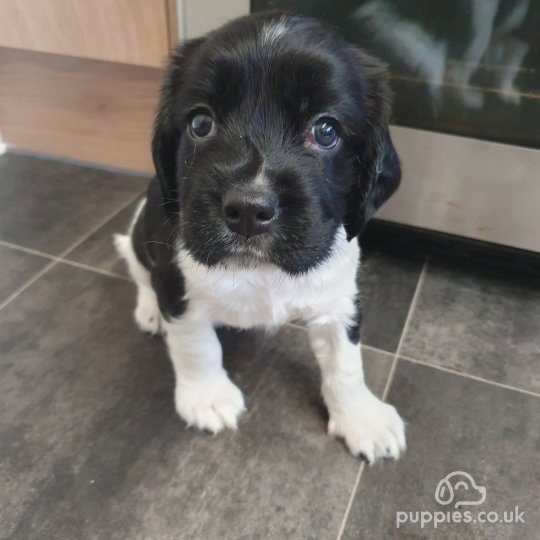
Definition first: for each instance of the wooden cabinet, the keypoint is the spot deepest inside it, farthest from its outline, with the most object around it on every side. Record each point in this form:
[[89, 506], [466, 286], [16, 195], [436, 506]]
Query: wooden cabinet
[[87, 110], [137, 32], [80, 78]]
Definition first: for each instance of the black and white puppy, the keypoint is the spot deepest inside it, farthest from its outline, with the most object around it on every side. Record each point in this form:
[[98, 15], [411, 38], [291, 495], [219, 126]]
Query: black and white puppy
[[272, 150]]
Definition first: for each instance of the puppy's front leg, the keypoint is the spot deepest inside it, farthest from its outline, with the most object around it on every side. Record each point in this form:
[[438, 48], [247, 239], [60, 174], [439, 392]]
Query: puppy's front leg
[[370, 427], [204, 395]]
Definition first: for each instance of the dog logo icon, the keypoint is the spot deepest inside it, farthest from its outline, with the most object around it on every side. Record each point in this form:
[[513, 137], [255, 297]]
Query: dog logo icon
[[447, 490]]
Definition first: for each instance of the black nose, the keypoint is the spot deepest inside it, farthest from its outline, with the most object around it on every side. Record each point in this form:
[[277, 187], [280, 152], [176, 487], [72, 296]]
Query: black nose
[[249, 214]]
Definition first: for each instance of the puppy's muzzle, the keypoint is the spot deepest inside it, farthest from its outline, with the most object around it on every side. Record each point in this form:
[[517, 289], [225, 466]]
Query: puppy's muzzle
[[249, 213]]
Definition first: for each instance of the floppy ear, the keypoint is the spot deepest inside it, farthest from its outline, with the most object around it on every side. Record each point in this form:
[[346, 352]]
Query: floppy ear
[[379, 167], [168, 128]]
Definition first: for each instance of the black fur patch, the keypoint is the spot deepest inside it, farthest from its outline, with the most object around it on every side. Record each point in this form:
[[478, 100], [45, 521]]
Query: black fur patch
[[264, 94], [153, 239], [353, 331], [168, 282]]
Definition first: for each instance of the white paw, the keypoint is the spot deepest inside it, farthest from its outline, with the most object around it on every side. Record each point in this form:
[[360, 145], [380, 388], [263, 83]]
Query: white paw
[[211, 405], [371, 428], [147, 315]]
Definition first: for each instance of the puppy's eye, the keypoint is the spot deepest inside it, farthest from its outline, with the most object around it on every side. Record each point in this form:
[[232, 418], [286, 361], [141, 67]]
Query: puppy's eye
[[202, 126], [324, 134]]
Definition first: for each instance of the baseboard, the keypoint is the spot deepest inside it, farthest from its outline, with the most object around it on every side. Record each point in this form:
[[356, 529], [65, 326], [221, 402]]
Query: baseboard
[[86, 110]]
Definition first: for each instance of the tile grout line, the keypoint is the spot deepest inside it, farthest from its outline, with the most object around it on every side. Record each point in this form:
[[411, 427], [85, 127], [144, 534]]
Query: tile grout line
[[404, 331], [69, 262], [30, 251], [386, 390], [104, 222], [436, 366], [377, 350], [59, 258], [27, 284], [364, 346], [454, 371], [470, 376], [50, 257], [350, 501], [83, 266]]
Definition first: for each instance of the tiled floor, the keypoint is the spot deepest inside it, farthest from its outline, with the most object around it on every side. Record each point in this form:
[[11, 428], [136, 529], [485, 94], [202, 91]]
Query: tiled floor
[[90, 447]]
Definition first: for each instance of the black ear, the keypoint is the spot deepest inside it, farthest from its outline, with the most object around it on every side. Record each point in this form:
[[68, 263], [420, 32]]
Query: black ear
[[168, 128], [379, 167], [384, 180]]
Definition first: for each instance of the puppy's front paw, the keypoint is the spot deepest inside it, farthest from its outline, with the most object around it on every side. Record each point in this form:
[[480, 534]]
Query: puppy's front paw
[[210, 405], [371, 428]]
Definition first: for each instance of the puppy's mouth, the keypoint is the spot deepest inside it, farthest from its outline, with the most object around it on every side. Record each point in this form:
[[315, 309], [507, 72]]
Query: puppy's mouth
[[235, 250], [256, 247]]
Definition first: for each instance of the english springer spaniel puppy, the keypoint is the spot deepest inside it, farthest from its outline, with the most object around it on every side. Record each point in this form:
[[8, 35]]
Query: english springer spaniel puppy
[[272, 151]]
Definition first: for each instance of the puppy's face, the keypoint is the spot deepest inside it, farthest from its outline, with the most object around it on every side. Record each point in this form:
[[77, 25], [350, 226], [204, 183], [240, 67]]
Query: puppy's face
[[271, 135]]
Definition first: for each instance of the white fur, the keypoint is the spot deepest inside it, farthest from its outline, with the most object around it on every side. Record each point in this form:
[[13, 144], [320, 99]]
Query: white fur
[[369, 426], [204, 396], [323, 298], [245, 298], [272, 32], [147, 315]]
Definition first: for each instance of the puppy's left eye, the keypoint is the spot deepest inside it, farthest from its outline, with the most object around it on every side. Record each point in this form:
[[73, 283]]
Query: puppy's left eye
[[324, 134], [202, 126]]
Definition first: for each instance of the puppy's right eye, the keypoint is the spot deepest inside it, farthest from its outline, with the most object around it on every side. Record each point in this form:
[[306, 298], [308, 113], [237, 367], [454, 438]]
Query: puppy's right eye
[[202, 126]]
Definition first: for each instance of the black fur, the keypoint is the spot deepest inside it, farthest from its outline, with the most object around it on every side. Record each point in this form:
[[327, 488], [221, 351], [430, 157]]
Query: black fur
[[353, 331], [264, 97], [153, 240]]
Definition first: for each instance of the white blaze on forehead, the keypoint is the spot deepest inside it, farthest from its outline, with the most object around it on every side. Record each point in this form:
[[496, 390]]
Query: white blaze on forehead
[[272, 32], [261, 180]]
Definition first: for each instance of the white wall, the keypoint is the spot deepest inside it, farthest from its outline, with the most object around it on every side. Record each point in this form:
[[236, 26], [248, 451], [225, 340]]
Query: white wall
[[196, 17]]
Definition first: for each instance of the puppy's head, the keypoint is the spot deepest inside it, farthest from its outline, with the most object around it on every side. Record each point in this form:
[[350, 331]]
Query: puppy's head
[[272, 134]]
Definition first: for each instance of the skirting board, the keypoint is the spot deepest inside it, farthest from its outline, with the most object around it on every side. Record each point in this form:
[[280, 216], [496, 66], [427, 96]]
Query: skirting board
[[88, 110], [467, 187]]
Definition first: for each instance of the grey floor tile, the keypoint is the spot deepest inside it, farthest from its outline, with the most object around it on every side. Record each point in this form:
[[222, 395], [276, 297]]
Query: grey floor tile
[[454, 424], [70, 361], [98, 250], [47, 205], [92, 448], [281, 476], [479, 320], [17, 268], [86, 412], [387, 285]]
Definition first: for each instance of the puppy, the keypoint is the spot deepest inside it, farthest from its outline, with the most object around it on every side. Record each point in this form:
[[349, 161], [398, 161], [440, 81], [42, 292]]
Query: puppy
[[272, 151]]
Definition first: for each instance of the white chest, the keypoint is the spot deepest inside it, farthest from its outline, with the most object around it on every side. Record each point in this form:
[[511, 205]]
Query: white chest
[[267, 296]]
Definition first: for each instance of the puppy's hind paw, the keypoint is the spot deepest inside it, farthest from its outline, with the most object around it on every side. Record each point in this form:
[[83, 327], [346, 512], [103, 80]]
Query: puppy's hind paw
[[147, 314]]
